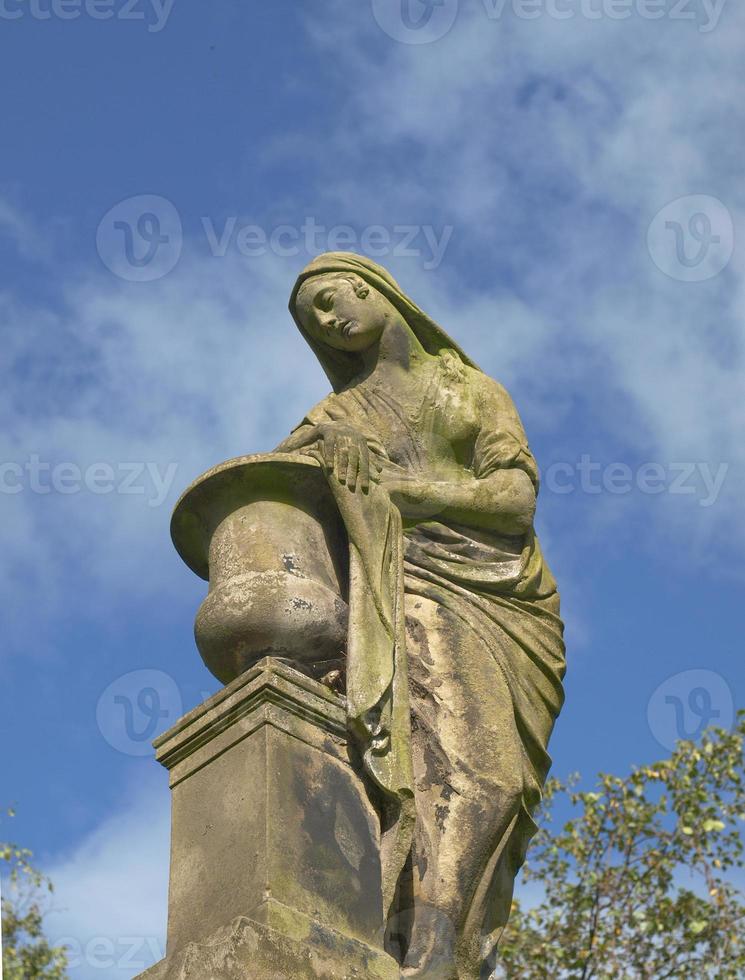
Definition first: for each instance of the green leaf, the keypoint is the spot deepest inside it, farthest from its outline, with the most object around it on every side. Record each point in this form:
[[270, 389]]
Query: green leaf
[[710, 825]]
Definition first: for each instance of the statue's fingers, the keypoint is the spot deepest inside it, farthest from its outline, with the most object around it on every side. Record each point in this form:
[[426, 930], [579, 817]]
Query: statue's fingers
[[341, 458], [329, 453], [364, 468], [353, 462]]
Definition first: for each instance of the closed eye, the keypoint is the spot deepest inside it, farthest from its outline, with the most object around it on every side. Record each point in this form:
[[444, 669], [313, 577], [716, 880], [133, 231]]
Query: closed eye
[[324, 299]]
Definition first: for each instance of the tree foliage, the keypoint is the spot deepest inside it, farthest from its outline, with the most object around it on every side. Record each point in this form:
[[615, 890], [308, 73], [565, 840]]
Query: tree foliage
[[27, 954], [638, 884]]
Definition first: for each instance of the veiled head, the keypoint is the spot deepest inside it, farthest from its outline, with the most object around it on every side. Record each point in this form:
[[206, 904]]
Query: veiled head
[[343, 311], [362, 299]]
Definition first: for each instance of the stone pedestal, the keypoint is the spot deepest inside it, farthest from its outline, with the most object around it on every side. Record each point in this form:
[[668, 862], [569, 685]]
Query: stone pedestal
[[275, 870]]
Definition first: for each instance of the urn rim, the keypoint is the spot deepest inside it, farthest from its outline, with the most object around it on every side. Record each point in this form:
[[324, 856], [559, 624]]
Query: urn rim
[[289, 477]]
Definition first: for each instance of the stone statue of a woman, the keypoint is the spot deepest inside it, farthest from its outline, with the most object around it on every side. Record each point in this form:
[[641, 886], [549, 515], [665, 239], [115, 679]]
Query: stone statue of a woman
[[455, 655]]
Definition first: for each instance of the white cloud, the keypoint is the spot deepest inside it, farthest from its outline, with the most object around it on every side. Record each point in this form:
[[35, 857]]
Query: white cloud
[[110, 898], [21, 230], [551, 145], [155, 382]]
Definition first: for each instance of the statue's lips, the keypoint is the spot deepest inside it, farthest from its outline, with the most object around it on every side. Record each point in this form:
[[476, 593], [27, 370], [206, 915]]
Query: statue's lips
[[346, 327]]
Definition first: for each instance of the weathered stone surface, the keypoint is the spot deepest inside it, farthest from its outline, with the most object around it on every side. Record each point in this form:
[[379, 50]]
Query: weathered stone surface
[[250, 950], [388, 546], [275, 844], [267, 534]]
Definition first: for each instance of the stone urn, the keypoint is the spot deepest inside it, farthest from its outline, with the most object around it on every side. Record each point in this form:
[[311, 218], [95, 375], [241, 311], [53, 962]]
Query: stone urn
[[265, 532]]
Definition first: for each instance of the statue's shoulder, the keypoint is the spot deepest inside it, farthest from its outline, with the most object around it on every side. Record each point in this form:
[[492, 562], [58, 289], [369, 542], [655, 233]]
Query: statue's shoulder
[[490, 394]]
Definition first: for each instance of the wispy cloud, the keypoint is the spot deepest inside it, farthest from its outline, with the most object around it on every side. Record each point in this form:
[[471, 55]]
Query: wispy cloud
[[110, 898], [21, 231], [550, 145], [117, 398]]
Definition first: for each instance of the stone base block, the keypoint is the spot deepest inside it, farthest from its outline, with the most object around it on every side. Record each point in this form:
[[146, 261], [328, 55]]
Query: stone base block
[[293, 948], [275, 844]]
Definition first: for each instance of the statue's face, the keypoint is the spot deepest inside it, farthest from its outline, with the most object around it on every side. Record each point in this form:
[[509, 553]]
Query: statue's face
[[343, 311]]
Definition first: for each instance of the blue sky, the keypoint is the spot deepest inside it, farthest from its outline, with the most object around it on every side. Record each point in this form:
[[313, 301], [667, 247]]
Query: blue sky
[[558, 183]]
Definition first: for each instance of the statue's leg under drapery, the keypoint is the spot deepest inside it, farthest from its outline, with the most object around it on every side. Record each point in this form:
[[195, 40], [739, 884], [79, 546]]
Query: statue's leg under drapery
[[468, 762]]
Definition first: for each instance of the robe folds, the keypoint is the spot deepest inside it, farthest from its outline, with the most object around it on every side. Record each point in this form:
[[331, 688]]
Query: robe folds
[[502, 610], [455, 655]]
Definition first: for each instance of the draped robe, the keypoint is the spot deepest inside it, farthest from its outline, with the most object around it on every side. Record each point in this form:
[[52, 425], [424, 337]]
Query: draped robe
[[454, 667]]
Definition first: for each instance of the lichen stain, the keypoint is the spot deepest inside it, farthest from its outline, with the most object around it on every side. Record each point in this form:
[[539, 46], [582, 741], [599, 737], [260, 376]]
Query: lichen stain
[[290, 562]]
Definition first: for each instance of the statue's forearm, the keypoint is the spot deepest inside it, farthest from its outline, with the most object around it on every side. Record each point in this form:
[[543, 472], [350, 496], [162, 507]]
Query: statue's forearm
[[503, 501]]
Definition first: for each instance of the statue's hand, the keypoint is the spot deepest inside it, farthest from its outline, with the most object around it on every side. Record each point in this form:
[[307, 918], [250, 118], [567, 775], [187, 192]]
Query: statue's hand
[[349, 455]]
